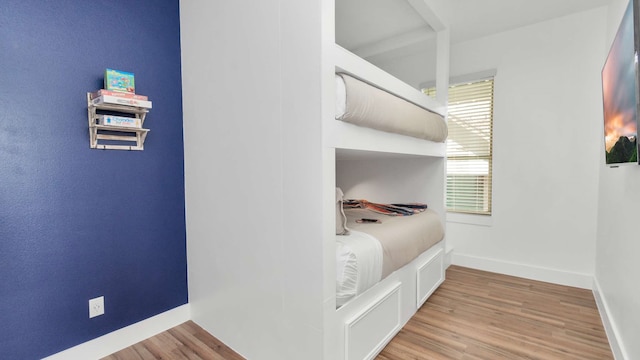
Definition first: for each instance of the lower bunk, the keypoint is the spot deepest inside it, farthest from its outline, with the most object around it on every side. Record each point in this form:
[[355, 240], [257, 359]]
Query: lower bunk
[[366, 324], [386, 268]]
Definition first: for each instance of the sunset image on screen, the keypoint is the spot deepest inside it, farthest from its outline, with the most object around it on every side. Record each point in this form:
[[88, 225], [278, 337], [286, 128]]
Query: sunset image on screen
[[619, 94]]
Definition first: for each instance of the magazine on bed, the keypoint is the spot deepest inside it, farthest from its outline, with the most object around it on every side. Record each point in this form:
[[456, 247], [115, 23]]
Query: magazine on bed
[[398, 209]]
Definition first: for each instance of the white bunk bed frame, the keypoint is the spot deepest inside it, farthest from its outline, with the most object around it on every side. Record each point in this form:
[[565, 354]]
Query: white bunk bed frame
[[362, 328], [265, 285], [343, 135]]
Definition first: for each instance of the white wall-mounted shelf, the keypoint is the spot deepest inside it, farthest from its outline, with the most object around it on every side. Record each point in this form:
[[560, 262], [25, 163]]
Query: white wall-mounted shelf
[[125, 138]]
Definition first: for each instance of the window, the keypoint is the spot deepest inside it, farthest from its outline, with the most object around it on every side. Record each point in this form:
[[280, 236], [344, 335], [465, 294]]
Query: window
[[469, 146]]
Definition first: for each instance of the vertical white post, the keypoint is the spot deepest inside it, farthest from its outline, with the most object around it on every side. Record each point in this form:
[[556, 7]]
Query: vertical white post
[[442, 66]]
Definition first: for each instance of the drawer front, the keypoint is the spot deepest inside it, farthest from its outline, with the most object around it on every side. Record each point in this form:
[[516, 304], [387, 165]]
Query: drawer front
[[368, 333], [430, 276]]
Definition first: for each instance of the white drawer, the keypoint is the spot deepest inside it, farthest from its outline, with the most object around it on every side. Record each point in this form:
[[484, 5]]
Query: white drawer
[[367, 333], [430, 276]]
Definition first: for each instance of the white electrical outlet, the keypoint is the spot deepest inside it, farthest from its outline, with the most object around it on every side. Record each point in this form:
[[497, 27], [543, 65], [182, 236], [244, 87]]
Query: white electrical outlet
[[96, 307]]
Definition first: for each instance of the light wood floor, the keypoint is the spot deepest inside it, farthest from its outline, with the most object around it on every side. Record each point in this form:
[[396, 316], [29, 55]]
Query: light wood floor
[[479, 315], [474, 315], [185, 341]]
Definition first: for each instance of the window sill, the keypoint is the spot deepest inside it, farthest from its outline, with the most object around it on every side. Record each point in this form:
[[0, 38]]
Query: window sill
[[470, 219]]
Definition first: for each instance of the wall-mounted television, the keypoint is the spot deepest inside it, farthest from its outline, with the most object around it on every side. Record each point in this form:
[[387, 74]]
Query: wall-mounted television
[[621, 95]]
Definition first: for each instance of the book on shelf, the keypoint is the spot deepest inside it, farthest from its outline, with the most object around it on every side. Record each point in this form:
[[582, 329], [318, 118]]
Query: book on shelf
[[123, 121], [116, 100], [119, 81], [101, 92]]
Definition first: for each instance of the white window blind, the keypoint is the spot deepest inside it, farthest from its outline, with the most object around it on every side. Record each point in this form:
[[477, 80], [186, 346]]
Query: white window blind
[[469, 147]]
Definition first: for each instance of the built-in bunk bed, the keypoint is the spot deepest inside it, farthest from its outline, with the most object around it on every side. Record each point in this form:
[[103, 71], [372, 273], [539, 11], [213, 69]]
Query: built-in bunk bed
[[389, 148]]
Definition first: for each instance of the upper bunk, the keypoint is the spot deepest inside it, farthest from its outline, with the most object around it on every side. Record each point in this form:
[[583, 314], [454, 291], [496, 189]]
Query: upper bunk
[[370, 55]]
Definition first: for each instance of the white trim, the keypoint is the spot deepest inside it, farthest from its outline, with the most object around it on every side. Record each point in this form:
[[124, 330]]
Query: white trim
[[580, 280], [615, 341], [470, 219], [466, 78], [117, 340], [473, 77]]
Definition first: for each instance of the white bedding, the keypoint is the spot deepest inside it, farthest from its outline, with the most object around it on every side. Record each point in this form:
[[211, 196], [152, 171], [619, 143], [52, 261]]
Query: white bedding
[[365, 105], [358, 264]]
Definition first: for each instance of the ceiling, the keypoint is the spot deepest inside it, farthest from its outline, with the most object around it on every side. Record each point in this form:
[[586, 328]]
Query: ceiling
[[371, 27], [361, 23], [472, 19]]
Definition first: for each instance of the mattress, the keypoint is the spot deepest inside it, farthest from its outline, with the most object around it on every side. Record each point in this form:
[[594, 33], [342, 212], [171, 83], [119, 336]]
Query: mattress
[[375, 250], [403, 238], [365, 105]]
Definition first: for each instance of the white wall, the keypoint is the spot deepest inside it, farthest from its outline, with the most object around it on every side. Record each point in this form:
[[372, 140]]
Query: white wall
[[414, 68], [547, 132], [548, 222], [253, 168], [617, 246]]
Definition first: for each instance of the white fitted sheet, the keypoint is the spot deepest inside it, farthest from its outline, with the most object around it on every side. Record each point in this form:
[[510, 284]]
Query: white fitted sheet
[[358, 264]]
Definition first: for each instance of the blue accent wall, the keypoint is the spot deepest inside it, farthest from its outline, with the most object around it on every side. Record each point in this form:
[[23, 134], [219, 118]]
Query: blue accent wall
[[77, 223]]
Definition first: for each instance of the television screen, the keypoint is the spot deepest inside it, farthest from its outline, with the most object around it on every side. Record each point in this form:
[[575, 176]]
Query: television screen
[[620, 94]]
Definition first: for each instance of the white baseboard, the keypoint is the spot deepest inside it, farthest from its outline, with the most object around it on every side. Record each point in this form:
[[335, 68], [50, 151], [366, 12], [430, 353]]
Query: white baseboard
[[584, 281], [125, 337], [609, 325], [448, 257]]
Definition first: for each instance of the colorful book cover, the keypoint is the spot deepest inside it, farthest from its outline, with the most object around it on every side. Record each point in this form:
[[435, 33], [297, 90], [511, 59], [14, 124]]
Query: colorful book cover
[[116, 80], [101, 92], [112, 120], [406, 209], [116, 100]]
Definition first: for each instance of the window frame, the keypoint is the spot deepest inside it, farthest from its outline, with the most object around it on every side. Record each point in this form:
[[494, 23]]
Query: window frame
[[464, 215]]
